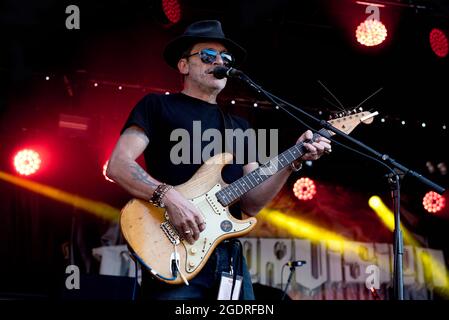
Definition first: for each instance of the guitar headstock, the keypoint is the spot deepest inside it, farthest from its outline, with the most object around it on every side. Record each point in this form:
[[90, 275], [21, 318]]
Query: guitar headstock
[[350, 122]]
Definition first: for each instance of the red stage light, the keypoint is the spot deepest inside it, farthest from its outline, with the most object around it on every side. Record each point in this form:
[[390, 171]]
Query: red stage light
[[371, 33], [172, 10], [433, 202], [439, 43], [27, 162], [105, 167], [304, 189]]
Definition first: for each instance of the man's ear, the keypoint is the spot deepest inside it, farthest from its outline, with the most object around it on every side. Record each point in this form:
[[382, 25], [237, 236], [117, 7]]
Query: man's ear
[[183, 66]]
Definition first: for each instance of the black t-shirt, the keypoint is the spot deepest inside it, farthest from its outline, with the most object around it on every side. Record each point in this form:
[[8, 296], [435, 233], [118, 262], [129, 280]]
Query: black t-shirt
[[159, 115]]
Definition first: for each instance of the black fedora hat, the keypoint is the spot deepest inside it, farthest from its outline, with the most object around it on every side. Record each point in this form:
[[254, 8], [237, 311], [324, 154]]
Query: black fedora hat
[[201, 31]]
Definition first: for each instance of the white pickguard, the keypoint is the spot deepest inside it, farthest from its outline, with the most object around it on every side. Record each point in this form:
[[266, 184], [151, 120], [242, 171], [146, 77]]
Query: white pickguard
[[218, 223]]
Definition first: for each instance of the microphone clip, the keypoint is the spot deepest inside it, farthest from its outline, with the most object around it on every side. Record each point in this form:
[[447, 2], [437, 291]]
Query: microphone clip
[[296, 263]]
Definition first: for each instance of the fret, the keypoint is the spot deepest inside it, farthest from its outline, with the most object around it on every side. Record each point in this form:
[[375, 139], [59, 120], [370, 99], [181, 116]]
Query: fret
[[264, 176], [244, 185], [238, 187], [230, 193], [295, 152], [265, 171], [234, 190], [258, 178], [221, 197], [277, 164], [253, 179], [272, 165], [250, 182], [301, 148], [225, 197], [284, 160], [293, 156], [282, 163], [251, 175]]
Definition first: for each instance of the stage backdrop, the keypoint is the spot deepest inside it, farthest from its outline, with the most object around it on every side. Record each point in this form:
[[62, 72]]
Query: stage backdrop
[[347, 250]]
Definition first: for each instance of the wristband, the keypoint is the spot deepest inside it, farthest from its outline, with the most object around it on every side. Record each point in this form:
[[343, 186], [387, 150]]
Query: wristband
[[159, 193]]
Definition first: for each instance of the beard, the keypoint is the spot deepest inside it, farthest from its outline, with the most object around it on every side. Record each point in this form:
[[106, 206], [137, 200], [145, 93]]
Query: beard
[[208, 83]]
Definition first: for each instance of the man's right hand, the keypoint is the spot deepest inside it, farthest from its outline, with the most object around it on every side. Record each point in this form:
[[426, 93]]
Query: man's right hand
[[183, 215]]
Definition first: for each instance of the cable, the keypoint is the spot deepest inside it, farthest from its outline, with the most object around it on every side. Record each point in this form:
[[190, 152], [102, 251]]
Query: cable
[[179, 270], [282, 277], [154, 272], [135, 280], [292, 270]]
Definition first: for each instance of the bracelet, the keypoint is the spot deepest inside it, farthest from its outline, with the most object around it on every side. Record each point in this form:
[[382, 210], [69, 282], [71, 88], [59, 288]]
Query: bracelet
[[159, 193], [295, 167]]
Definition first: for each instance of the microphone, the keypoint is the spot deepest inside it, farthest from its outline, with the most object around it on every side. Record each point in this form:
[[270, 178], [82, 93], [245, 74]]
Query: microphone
[[221, 72], [296, 263]]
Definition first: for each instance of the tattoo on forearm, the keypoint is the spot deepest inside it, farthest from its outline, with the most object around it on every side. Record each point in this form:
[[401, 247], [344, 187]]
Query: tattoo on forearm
[[139, 174]]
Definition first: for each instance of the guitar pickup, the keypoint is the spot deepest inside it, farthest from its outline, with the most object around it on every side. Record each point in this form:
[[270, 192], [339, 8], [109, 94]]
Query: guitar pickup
[[213, 204], [212, 200]]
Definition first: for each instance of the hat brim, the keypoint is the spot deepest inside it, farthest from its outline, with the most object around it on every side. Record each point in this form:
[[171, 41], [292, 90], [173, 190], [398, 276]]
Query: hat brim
[[174, 49]]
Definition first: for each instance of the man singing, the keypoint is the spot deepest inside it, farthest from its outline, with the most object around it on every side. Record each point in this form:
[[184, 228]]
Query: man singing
[[202, 47]]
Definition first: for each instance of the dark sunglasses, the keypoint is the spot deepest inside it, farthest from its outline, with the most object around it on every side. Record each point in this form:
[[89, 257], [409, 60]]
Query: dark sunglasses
[[210, 55]]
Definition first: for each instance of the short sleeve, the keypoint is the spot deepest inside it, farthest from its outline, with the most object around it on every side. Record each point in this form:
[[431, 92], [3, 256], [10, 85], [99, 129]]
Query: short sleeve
[[141, 115]]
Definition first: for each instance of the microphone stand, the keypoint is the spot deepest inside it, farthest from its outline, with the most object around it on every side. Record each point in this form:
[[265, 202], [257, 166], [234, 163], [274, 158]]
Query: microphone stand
[[395, 168], [292, 270]]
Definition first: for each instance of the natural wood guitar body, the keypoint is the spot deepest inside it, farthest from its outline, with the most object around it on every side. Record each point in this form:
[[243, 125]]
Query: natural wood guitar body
[[141, 225]]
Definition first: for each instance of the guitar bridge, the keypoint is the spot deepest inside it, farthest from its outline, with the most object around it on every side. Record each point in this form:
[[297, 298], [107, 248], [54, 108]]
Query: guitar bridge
[[171, 234]]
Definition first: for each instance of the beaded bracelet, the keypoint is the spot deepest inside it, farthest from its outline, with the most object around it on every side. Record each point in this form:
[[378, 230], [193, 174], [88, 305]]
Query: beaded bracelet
[[159, 193], [295, 167]]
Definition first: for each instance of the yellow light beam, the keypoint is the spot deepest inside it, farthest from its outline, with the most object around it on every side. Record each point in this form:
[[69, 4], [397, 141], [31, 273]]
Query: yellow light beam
[[297, 227], [98, 208], [387, 217], [302, 229], [437, 272]]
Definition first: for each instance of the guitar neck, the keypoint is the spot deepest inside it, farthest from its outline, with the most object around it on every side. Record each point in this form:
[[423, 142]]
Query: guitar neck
[[238, 188]]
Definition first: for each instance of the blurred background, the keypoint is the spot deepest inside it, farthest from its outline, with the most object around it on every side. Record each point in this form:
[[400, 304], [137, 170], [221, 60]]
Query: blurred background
[[65, 94]]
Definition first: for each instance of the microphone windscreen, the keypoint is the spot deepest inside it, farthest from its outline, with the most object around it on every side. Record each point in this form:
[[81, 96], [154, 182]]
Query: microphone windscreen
[[220, 72]]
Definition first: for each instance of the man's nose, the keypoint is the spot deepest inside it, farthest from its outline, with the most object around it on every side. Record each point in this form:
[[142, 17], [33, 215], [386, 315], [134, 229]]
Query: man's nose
[[218, 60]]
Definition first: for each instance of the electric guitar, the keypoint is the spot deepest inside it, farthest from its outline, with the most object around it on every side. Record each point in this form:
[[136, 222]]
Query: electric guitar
[[156, 244]]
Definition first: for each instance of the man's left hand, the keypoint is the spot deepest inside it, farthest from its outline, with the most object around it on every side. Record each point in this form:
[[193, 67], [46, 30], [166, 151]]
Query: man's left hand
[[314, 149]]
